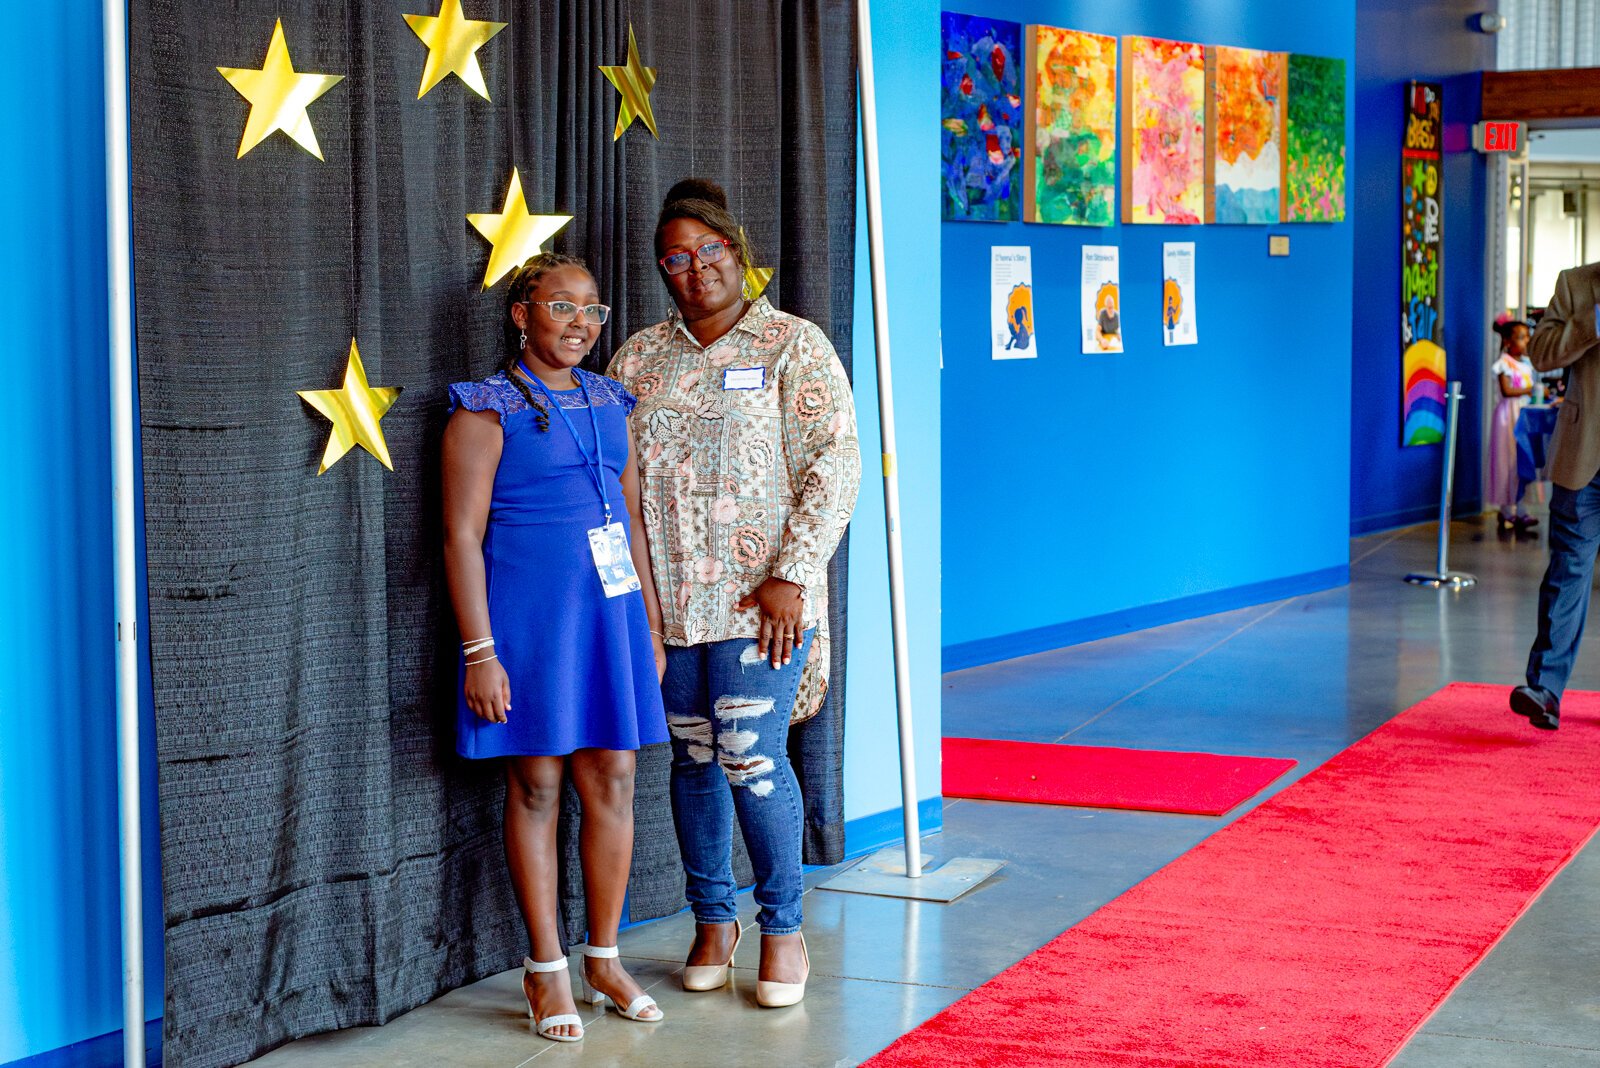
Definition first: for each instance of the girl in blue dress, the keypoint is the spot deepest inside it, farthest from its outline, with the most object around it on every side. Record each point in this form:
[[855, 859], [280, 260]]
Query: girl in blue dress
[[549, 576]]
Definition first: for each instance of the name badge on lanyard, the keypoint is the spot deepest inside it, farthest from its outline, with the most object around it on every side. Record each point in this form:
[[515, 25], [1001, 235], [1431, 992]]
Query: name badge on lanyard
[[608, 543]]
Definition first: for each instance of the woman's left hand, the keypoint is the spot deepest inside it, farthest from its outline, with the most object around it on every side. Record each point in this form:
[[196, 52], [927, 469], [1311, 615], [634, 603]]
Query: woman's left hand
[[782, 607], [661, 655]]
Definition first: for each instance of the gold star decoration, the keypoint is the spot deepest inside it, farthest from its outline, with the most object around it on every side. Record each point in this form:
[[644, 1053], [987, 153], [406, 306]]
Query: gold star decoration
[[755, 278], [278, 97], [453, 41], [634, 81], [354, 409], [515, 233]]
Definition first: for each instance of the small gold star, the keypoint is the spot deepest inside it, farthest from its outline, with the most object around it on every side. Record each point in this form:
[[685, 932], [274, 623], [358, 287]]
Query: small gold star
[[279, 97], [515, 233], [354, 409], [756, 279], [453, 41], [634, 81]]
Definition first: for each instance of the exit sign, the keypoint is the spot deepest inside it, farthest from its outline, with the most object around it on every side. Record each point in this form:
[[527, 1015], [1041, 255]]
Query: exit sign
[[1497, 137]]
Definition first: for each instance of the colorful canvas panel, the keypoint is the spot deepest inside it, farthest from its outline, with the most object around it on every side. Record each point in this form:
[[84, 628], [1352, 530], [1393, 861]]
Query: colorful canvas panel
[[1422, 361], [981, 115], [1163, 131], [1245, 159], [1316, 139], [1070, 139]]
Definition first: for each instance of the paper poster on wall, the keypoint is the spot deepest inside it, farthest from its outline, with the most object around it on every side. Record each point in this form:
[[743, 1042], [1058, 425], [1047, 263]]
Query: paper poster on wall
[[1177, 294], [1422, 361], [1102, 300], [1011, 303]]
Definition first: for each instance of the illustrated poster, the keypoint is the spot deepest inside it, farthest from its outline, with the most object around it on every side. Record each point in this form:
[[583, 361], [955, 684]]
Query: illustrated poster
[[1102, 299], [1011, 303], [1177, 294], [1421, 247]]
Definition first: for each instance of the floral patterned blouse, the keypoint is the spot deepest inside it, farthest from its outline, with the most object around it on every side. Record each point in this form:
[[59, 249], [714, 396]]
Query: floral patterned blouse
[[749, 468]]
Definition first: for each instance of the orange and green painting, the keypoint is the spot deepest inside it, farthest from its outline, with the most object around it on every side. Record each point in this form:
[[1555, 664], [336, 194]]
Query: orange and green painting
[[1246, 135], [1316, 139], [1070, 163], [1164, 131]]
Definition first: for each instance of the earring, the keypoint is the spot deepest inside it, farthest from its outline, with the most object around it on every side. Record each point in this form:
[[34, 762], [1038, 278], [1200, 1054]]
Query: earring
[[522, 342], [744, 290]]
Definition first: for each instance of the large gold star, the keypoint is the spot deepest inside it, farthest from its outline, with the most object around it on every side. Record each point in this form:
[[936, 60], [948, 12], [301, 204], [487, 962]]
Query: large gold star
[[515, 233], [279, 97], [634, 81], [756, 279], [453, 41], [354, 409]]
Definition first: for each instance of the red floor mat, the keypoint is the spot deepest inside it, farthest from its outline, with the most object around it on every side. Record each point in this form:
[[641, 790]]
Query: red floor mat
[[1322, 928], [1204, 784]]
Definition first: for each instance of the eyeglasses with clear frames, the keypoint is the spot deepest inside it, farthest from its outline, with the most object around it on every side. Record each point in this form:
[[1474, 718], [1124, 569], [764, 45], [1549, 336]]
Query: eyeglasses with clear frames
[[708, 253], [564, 311]]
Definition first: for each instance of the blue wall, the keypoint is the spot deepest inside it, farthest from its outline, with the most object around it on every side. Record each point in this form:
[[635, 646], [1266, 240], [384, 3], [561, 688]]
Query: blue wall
[[904, 34], [1401, 41], [1163, 482], [60, 933]]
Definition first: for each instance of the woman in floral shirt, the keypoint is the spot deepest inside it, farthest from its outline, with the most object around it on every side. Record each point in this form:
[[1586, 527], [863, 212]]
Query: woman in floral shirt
[[746, 439]]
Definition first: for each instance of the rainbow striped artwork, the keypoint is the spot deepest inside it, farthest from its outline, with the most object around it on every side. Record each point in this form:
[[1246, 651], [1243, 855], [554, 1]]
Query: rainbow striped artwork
[[1422, 363]]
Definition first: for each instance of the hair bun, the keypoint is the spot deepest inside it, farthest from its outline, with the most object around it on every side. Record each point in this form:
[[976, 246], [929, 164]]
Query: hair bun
[[697, 189]]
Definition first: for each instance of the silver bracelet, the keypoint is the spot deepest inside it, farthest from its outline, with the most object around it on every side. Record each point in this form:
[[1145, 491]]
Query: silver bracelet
[[476, 645], [485, 660]]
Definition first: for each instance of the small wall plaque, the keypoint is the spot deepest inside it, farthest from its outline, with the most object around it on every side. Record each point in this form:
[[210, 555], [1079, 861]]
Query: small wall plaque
[[1277, 244]]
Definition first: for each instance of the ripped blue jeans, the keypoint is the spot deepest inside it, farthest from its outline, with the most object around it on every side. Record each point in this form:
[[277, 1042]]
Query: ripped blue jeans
[[728, 714]]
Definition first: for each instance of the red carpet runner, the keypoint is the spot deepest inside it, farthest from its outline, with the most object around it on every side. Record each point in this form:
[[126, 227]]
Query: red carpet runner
[[1321, 929], [1202, 784]]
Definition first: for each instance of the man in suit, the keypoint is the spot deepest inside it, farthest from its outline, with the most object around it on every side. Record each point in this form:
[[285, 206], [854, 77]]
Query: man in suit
[[1566, 338]]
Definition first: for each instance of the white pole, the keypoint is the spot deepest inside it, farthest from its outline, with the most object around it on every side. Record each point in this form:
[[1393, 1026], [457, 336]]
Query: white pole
[[119, 296], [891, 481]]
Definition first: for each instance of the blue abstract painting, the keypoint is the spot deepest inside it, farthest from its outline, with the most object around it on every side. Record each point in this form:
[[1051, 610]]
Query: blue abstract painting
[[981, 115]]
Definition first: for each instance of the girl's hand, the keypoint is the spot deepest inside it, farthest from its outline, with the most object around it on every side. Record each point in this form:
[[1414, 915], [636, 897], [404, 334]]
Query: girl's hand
[[782, 607], [661, 656], [488, 691]]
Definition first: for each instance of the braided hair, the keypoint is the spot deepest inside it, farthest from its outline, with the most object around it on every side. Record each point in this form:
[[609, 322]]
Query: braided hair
[[524, 280], [705, 202]]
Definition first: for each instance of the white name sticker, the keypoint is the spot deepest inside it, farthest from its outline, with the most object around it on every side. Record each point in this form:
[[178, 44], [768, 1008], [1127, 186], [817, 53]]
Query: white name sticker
[[744, 378]]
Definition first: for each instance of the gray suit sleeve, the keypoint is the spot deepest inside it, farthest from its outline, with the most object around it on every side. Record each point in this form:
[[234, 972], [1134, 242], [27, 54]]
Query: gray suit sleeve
[[1567, 332]]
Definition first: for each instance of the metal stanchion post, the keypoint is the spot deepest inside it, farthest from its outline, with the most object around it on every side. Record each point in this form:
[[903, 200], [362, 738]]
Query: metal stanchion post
[[1442, 576]]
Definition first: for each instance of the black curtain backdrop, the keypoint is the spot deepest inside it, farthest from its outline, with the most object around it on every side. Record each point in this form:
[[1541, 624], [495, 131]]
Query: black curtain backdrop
[[327, 860]]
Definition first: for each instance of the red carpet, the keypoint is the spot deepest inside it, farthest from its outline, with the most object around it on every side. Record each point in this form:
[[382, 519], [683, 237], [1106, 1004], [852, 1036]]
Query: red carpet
[[1321, 929], [1204, 784]]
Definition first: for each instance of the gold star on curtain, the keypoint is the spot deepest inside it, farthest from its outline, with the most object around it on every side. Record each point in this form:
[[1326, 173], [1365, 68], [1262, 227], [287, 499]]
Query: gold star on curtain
[[634, 81], [453, 41], [354, 409], [515, 233], [278, 97], [756, 279]]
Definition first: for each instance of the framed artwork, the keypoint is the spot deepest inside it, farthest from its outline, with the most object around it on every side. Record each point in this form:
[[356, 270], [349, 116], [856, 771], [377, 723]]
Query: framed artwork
[[1070, 137], [1315, 137], [980, 92], [1245, 158], [1163, 131]]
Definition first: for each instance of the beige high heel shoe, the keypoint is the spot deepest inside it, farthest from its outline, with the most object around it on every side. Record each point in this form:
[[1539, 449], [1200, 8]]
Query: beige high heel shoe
[[701, 977], [550, 1023], [781, 995]]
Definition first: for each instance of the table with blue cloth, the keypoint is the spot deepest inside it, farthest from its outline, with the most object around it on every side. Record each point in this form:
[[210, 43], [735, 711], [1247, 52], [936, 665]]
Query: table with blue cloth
[[1535, 424]]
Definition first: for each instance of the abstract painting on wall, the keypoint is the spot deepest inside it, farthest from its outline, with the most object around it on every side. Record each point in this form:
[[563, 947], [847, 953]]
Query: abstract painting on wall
[[1245, 160], [1163, 131], [981, 115], [1315, 139], [1070, 140]]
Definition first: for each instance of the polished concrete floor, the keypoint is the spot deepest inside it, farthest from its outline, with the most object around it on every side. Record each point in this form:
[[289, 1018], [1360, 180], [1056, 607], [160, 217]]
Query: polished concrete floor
[[1301, 678]]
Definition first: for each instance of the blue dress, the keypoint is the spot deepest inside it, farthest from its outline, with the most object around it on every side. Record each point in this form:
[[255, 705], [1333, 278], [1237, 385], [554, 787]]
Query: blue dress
[[581, 664]]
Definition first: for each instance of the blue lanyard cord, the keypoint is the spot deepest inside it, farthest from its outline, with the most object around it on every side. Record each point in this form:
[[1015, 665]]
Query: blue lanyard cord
[[595, 466]]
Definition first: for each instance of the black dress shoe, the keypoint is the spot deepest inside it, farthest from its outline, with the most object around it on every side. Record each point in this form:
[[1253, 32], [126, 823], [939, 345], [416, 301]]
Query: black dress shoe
[[1542, 707]]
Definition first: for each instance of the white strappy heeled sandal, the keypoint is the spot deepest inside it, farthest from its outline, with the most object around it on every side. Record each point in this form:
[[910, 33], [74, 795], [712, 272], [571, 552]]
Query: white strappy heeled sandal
[[550, 1023], [699, 977], [641, 1004]]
